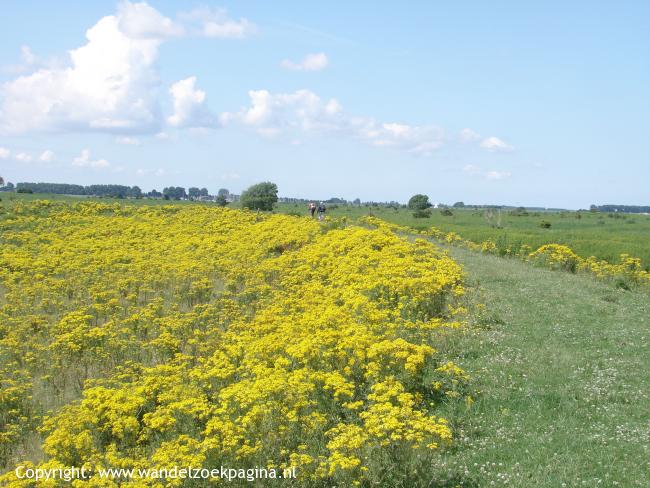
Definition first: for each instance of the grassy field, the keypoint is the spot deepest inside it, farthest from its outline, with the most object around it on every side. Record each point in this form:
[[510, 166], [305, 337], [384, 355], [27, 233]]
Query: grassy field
[[559, 363], [605, 236], [563, 363]]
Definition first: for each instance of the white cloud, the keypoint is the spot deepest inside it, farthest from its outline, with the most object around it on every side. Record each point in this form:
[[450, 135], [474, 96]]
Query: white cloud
[[140, 20], [84, 161], [472, 169], [147, 172], [208, 22], [189, 106], [275, 115], [497, 175], [127, 141], [311, 62], [23, 157], [109, 86], [111, 83], [4, 153], [162, 136], [468, 135], [46, 156], [494, 144]]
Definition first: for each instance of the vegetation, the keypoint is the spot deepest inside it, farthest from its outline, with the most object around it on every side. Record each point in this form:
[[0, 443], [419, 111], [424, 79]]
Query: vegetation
[[175, 335], [420, 205], [627, 234], [563, 364], [262, 196], [142, 334]]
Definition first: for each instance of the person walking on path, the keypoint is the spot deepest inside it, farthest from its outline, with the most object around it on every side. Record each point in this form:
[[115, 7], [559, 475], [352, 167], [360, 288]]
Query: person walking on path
[[321, 211], [312, 209]]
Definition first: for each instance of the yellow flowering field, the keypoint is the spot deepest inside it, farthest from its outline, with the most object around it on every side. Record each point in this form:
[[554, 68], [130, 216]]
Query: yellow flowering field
[[153, 337]]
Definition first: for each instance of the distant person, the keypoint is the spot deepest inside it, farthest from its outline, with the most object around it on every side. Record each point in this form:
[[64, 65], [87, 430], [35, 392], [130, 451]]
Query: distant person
[[321, 211], [312, 209]]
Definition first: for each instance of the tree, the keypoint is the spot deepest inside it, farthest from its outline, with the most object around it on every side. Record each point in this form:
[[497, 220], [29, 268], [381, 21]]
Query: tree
[[221, 200], [419, 202], [193, 192], [261, 196], [174, 192], [2, 181], [459, 205], [134, 192], [357, 202], [420, 205], [223, 192], [203, 192]]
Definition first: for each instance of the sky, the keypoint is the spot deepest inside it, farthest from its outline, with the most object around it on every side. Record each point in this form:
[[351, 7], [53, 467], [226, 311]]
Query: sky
[[516, 103]]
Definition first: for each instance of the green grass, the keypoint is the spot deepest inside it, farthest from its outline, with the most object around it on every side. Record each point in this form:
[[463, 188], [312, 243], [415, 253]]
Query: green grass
[[600, 235], [563, 365], [605, 236]]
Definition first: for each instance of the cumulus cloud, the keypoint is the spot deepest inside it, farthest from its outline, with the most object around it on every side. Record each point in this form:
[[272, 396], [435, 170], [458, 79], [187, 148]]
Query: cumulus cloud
[[497, 175], [148, 172], [208, 22], [4, 153], [140, 20], [46, 156], [468, 135], [494, 144], [85, 161], [127, 141], [274, 115], [189, 106], [110, 84], [311, 62], [23, 157], [474, 170]]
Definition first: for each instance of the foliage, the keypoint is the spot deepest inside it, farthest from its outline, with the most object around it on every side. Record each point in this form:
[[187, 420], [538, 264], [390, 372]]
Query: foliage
[[262, 196], [419, 202], [201, 336], [446, 212], [174, 193]]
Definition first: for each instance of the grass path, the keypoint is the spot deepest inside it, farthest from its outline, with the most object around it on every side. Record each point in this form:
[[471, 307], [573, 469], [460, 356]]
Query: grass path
[[563, 363]]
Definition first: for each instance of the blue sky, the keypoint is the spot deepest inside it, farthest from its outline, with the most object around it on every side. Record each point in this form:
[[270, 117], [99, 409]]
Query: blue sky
[[486, 102]]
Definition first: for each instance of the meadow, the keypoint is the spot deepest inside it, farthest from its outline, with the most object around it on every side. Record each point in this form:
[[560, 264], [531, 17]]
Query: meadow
[[143, 334], [603, 235]]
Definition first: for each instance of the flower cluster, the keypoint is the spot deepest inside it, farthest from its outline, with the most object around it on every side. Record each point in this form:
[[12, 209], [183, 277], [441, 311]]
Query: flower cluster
[[629, 270], [140, 337]]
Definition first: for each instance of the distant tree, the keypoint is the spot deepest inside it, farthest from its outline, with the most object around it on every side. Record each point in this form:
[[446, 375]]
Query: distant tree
[[419, 202], [2, 181], [221, 200], [223, 192], [446, 212], [134, 192], [174, 193], [193, 192], [459, 205], [261, 196], [203, 192], [357, 202], [593, 208], [420, 205], [8, 187], [154, 193]]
